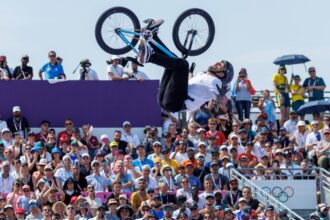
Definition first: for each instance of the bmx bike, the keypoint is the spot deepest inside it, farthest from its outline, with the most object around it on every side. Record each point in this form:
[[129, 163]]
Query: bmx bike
[[118, 30]]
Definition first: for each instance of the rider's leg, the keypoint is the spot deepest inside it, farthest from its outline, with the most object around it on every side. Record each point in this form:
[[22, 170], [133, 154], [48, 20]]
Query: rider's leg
[[158, 40], [173, 89]]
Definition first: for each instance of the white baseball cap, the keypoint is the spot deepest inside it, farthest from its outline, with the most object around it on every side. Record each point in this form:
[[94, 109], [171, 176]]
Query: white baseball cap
[[301, 123], [16, 109], [115, 57]]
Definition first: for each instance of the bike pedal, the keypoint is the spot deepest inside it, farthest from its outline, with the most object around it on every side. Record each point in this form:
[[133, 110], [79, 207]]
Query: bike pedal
[[148, 35]]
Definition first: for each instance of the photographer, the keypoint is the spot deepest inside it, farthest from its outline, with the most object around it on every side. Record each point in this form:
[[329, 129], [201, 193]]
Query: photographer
[[150, 139], [5, 71], [87, 73], [23, 71]]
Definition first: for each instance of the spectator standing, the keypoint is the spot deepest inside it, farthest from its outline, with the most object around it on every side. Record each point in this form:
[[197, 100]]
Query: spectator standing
[[244, 90], [53, 69], [5, 70], [18, 123], [267, 106], [137, 74], [281, 88], [90, 140], [220, 137], [67, 133], [298, 94], [314, 85], [115, 71], [131, 138], [23, 71]]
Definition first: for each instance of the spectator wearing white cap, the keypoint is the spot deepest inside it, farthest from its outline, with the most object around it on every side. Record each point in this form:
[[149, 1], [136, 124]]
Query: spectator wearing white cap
[[291, 124], [180, 153], [6, 180], [313, 139], [193, 135], [18, 123], [150, 181], [301, 135], [64, 172], [115, 71], [234, 143], [95, 179], [131, 138], [7, 137]]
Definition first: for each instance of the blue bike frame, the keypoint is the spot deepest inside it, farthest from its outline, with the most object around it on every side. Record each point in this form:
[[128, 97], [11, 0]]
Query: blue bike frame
[[122, 32]]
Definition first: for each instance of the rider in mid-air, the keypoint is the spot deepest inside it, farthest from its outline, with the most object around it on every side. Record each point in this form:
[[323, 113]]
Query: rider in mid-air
[[177, 92]]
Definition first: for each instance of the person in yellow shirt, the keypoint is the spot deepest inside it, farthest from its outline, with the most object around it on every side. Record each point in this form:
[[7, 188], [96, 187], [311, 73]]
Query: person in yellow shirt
[[298, 94], [171, 162], [281, 88], [139, 196]]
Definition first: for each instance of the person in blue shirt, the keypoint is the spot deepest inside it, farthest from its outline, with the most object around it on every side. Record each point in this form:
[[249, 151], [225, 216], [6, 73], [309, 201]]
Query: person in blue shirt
[[142, 159], [53, 69]]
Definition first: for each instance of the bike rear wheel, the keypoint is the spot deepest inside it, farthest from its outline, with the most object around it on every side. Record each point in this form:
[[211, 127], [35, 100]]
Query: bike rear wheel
[[193, 32], [114, 19]]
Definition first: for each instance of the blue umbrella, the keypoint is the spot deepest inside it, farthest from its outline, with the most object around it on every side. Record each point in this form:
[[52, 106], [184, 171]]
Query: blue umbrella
[[291, 59], [314, 107]]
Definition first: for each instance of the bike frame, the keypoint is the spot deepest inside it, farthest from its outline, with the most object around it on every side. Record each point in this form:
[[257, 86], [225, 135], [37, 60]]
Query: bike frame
[[122, 32]]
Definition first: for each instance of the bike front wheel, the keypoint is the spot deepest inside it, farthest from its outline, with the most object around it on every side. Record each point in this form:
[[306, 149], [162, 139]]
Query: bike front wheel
[[107, 26], [193, 32]]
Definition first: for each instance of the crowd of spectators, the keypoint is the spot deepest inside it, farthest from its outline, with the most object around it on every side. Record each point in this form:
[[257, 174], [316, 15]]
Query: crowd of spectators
[[177, 173], [54, 69]]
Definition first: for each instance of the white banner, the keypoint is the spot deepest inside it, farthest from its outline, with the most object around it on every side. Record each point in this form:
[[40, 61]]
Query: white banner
[[296, 194]]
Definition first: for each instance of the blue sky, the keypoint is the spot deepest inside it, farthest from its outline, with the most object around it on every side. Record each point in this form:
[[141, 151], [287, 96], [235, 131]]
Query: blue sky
[[249, 33]]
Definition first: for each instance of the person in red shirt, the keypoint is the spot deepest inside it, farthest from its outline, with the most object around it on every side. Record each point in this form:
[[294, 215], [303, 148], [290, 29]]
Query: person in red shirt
[[42, 136], [220, 137], [253, 160], [67, 133]]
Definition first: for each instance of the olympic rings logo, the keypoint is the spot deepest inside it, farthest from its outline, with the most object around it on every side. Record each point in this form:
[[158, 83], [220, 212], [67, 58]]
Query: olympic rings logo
[[280, 194]]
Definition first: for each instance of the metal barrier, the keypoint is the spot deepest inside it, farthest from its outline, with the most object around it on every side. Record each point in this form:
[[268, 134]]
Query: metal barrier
[[325, 186], [263, 196]]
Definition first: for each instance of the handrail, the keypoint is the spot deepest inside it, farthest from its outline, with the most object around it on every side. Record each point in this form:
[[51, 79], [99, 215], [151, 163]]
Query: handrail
[[263, 196], [325, 186], [258, 95]]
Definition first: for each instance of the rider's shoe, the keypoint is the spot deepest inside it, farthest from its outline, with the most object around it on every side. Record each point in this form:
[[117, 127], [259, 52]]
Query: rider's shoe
[[145, 52], [152, 25]]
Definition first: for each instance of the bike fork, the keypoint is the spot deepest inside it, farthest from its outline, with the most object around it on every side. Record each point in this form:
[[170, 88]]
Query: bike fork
[[193, 33]]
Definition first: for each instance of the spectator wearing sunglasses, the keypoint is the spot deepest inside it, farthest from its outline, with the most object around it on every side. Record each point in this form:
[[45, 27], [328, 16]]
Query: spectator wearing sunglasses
[[52, 69], [314, 85]]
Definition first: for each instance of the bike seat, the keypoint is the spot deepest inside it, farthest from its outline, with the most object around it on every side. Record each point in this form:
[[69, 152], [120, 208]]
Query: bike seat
[[148, 21]]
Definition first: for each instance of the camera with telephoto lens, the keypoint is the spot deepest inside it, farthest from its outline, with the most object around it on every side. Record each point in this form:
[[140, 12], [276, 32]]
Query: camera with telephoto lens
[[85, 63]]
